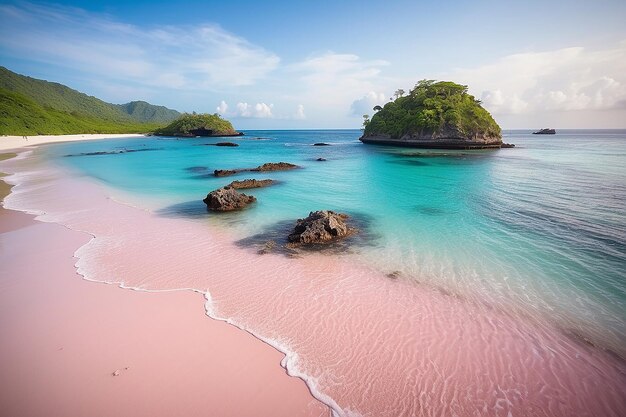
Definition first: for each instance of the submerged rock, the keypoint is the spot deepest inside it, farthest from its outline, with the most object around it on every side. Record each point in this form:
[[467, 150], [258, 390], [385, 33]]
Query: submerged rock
[[226, 144], [507, 145], [270, 166], [268, 247], [274, 166], [227, 199], [321, 144], [196, 169], [226, 172], [322, 226], [321, 159], [250, 183]]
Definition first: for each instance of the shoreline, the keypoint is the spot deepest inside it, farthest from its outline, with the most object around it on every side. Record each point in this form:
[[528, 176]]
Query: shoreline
[[17, 142], [63, 343], [430, 320]]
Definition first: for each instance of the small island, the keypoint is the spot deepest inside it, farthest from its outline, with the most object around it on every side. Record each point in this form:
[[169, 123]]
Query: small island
[[434, 114], [194, 125], [546, 131]]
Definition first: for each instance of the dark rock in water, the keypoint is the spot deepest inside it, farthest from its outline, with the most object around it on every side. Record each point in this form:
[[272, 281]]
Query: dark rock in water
[[227, 199], [250, 183], [116, 152], [321, 159], [321, 144], [507, 145], [320, 227], [226, 144], [196, 169], [267, 247], [226, 172], [274, 166], [546, 131], [270, 166]]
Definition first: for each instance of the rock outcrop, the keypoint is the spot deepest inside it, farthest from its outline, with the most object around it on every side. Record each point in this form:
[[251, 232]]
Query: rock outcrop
[[274, 166], [321, 144], [546, 131], [203, 125], [226, 172], [270, 166], [320, 227], [250, 183], [227, 199]]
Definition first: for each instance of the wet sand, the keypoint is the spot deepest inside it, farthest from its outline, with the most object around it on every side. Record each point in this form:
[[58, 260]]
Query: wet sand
[[64, 338]]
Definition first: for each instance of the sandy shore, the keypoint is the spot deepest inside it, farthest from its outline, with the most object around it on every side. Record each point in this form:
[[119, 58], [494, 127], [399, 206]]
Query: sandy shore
[[63, 338], [14, 142]]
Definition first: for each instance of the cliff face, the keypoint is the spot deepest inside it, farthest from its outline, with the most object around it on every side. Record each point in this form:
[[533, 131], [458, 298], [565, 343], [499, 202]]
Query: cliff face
[[434, 114]]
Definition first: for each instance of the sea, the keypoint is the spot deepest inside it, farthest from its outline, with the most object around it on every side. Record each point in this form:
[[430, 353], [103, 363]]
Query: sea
[[480, 282]]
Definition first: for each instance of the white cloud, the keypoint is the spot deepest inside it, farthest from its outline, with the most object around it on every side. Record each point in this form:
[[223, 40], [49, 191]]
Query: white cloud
[[299, 115], [329, 82], [204, 57], [568, 79], [245, 110], [365, 104], [222, 108]]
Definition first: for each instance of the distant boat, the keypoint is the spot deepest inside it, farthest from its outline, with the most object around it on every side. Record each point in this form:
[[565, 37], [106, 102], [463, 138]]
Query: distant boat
[[546, 131]]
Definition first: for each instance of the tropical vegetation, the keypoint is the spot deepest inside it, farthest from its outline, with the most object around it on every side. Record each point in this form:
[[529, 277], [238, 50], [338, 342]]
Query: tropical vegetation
[[29, 106], [429, 108], [189, 124]]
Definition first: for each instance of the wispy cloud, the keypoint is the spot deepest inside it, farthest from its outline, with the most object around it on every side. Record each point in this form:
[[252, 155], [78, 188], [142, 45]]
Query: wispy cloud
[[299, 114], [203, 57], [567, 79], [329, 83]]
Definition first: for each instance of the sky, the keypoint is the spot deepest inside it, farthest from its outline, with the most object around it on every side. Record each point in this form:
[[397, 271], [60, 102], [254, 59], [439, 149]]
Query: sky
[[323, 64]]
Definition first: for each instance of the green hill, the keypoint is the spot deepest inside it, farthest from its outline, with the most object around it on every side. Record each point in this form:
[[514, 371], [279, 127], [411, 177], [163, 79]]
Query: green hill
[[20, 115], [189, 125], [30, 106], [433, 111], [146, 112]]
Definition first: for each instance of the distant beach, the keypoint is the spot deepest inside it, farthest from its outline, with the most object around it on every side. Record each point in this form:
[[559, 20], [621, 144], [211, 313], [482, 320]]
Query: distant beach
[[14, 142]]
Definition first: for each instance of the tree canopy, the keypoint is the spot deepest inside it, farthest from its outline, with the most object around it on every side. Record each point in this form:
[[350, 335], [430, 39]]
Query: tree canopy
[[431, 107], [187, 123]]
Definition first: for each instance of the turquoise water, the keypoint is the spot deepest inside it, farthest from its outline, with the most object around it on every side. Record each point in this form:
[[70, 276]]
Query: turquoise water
[[540, 228]]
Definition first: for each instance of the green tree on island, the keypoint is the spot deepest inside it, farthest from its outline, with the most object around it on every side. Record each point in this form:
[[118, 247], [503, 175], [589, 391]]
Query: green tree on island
[[190, 124], [430, 108]]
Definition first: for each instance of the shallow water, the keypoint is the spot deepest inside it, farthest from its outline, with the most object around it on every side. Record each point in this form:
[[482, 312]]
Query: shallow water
[[514, 257]]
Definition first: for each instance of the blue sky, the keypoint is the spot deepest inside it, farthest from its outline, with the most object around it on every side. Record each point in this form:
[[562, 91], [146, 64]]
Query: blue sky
[[322, 64]]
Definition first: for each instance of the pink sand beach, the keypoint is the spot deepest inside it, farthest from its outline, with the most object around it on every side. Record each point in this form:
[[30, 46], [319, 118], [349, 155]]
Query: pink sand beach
[[64, 338], [430, 352]]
